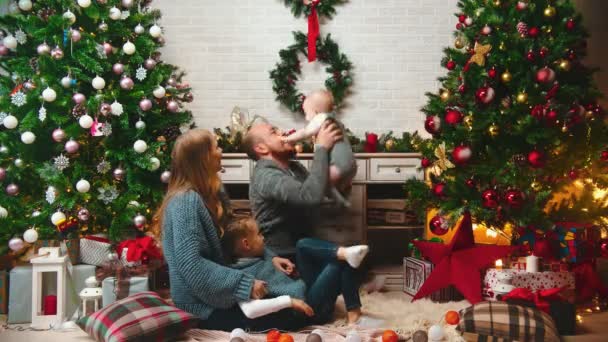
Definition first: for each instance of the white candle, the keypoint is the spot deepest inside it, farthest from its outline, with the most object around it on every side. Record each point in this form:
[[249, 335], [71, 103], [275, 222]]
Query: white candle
[[498, 264], [532, 263]]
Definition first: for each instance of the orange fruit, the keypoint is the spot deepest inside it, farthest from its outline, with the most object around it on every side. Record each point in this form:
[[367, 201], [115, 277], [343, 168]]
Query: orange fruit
[[390, 336], [273, 336], [452, 317], [285, 338]]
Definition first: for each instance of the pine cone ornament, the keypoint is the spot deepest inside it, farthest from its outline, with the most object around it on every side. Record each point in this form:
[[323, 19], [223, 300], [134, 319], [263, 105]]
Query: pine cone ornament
[[522, 28], [78, 111], [171, 133], [45, 13]]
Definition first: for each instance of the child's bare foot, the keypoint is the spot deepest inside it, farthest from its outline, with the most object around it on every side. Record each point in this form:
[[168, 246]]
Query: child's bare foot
[[353, 316]]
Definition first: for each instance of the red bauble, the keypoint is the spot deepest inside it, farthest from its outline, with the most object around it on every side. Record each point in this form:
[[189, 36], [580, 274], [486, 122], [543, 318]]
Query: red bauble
[[452, 317], [451, 65], [573, 174], [470, 183], [538, 111], [551, 117], [425, 162], [515, 198], [462, 18], [570, 24], [492, 73], [462, 89], [536, 159], [545, 75], [439, 189], [604, 155], [462, 154], [390, 336], [489, 199], [485, 95], [543, 52], [439, 225], [459, 26], [453, 117], [533, 32], [571, 55], [432, 124], [273, 336]]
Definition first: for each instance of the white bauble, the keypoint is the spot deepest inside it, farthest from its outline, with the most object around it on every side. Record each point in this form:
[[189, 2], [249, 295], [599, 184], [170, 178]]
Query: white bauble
[[83, 186], [115, 13], [159, 92], [140, 124], [57, 217], [25, 5], [98, 83], [10, 122], [154, 164], [128, 48], [240, 333], [66, 82], [127, 3], [15, 244], [10, 42], [30, 235], [155, 31], [139, 29], [28, 137], [140, 146], [84, 3], [49, 95], [85, 121], [468, 21], [435, 333], [134, 204], [69, 16], [3, 212]]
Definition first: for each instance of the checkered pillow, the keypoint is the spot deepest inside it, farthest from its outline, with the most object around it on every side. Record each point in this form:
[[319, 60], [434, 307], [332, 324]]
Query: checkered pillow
[[508, 321], [143, 316]]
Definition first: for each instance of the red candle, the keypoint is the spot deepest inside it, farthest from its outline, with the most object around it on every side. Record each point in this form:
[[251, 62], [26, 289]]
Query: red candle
[[371, 142], [50, 305]]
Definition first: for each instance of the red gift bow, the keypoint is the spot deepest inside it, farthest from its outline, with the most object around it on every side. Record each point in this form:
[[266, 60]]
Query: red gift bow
[[141, 249], [540, 298], [313, 31]]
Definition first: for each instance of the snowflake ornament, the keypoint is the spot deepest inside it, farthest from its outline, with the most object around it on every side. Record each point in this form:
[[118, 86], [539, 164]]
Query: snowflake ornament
[[42, 113], [107, 194], [21, 37], [141, 73], [61, 162], [103, 167], [51, 195], [18, 99], [116, 108], [106, 129], [101, 53], [124, 15], [2, 116]]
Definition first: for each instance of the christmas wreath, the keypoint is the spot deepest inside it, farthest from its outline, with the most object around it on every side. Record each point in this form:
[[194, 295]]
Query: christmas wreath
[[286, 73], [325, 8]]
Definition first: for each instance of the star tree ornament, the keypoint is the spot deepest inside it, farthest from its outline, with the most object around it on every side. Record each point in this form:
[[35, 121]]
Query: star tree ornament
[[141, 73], [61, 162], [20, 36], [103, 167], [18, 99], [107, 194]]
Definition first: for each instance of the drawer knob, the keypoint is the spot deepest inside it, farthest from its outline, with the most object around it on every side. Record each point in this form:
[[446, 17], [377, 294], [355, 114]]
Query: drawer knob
[[397, 170], [223, 170]]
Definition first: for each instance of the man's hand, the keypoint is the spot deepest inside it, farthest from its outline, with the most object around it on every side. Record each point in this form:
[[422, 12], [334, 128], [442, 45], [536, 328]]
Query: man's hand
[[258, 291], [283, 265], [301, 306], [329, 134]]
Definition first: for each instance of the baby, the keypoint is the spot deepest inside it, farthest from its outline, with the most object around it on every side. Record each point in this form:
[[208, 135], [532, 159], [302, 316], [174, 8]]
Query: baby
[[318, 107], [244, 244]]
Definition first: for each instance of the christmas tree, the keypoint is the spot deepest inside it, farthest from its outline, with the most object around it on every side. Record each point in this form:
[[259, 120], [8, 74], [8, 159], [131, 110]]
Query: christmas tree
[[89, 114], [518, 136]]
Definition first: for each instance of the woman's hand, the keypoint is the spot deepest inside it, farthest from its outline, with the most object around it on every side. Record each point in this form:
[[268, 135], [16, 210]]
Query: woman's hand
[[283, 265], [259, 290], [301, 306]]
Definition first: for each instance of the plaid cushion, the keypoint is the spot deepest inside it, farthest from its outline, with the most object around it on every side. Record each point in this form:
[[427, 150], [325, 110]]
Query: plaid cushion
[[143, 316], [471, 337], [512, 322]]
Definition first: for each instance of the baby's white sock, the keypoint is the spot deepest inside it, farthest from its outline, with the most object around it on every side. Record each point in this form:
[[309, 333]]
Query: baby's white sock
[[354, 255]]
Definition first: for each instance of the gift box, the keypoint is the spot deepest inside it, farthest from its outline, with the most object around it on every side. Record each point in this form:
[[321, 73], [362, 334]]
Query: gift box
[[20, 291], [416, 272], [73, 247], [110, 285], [522, 279], [94, 250], [577, 241], [517, 263], [554, 266], [3, 292]]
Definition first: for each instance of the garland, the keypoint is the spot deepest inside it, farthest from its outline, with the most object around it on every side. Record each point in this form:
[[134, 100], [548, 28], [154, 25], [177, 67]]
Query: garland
[[286, 73], [325, 8]]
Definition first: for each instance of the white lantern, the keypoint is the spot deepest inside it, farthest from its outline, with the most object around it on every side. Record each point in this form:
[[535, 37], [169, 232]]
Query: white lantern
[[92, 292], [49, 95], [115, 13], [28, 138], [49, 260], [83, 186], [98, 83], [128, 48], [140, 146], [84, 3], [10, 122], [159, 92], [85, 121], [155, 31]]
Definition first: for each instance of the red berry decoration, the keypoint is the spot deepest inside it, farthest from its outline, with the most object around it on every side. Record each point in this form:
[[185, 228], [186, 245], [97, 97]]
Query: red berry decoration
[[573, 174], [536, 159], [439, 189], [604, 156], [545, 75], [515, 198], [439, 225], [462, 89], [390, 336], [543, 52], [490, 199], [462, 154], [485, 95], [451, 65], [425, 162], [533, 32], [570, 24], [432, 124], [470, 183], [492, 72], [531, 56], [453, 117]]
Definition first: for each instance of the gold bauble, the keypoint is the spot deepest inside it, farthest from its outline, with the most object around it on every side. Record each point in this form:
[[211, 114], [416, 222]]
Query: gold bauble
[[522, 97], [506, 77], [549, 12], [389, 144], [468, 121], [445, 95], [458, 43], [564, 129], [589, 114], [536, 186], [565, 65], [548, 29], [493, 130], [502, 46]]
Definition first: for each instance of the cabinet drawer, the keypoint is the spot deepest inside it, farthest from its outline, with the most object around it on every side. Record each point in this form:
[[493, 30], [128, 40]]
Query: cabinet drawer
[[394, 169], [361, 175], [235, 170], [343, 230]]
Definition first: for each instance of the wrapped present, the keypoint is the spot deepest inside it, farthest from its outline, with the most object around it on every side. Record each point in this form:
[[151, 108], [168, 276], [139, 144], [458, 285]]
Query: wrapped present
[[522, 279], [554, 266], [72, 247], [144, 250], [20, 291], [121, 284], [112, 290], [416, 271], [577, 242], [517, 263], [3, 292], [94, 250]]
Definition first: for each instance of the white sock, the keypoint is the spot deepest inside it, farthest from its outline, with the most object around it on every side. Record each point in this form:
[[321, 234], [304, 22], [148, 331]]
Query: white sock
[[262, 307], [354, 255]]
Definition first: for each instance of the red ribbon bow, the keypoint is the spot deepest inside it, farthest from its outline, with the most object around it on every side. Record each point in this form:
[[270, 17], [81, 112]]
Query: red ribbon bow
[[313, 31], [141, 249], [540, 298]]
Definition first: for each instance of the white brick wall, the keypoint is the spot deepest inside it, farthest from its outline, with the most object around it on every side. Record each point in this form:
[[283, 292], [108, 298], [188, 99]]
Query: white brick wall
[[228, 46]]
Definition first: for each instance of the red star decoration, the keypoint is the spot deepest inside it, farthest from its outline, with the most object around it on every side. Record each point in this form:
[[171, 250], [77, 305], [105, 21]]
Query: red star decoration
[[459, 263]]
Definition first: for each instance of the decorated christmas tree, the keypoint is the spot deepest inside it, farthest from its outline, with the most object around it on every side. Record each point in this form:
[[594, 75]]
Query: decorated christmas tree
[[89, 115], [518, 135]]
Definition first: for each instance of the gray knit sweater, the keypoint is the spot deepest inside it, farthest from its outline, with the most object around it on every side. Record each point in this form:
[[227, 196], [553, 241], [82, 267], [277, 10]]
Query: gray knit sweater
[[200, 279], [286, 202]]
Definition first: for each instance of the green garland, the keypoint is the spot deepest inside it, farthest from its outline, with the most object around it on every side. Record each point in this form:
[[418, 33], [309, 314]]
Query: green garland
[[286, 73], [325, 8]]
